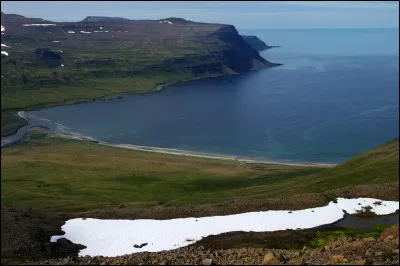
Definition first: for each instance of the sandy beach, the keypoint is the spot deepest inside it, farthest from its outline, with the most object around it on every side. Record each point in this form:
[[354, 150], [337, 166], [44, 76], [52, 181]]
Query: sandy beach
[[173, 151], [237, 159]]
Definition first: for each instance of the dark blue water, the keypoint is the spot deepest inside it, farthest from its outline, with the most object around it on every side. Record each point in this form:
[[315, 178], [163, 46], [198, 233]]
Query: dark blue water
[[335, 96]]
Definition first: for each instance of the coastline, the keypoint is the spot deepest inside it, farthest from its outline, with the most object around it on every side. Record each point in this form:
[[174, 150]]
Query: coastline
[[241, 161], [163, 86], [70, 135]]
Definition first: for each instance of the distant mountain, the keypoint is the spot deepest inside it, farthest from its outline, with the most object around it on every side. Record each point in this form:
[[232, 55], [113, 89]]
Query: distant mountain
[[112, 19], [124, 20], [14, 18], [199, 47]]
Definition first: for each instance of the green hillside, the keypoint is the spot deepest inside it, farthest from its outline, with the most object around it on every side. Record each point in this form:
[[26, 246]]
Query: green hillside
[[71, 176], [378, 165]]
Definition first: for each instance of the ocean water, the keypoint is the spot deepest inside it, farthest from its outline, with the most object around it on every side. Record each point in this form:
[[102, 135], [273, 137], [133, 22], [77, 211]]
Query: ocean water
[[336, 94]]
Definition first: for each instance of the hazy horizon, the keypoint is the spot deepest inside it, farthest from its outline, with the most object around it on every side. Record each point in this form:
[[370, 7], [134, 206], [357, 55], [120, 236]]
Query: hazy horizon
[[243, 15]]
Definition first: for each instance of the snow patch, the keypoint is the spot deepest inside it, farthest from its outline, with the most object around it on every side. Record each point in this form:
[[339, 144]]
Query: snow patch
[[4, 53], [40, 25], [3, 45], [61, 51], [165, 21], [62, 65], [71, 31], [119, 237], [56, 41], [3, 28], [82, 31]]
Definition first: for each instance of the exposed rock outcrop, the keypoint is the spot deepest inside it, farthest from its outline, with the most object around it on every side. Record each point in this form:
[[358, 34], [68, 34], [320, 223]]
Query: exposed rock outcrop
[[256, 43]]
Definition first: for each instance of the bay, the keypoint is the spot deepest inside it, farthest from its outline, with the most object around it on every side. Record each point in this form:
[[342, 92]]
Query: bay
[[335, 95]]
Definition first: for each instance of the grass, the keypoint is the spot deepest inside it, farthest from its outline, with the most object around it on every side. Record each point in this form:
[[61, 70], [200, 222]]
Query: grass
[[68, 175], [63, 175], [376, 166], [10, 123], [323, 236]]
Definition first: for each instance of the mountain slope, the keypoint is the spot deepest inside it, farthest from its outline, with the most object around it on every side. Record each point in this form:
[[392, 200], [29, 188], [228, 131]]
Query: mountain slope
[[378, 165]]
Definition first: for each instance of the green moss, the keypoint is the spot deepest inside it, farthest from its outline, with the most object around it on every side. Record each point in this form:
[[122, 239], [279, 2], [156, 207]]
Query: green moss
[[324, 235], [317, 242], [389, 256]]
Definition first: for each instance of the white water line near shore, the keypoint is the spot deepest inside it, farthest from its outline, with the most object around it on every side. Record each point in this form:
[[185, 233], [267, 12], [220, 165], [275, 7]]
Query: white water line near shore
[[119, 237], [210, 156]]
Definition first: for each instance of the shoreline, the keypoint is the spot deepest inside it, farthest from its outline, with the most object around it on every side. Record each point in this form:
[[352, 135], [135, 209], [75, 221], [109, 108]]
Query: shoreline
[[160, 87], [163, 86], [171, 151]]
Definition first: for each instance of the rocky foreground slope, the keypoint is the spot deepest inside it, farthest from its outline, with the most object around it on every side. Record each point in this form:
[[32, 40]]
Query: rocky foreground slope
[[344, 250], [25, 234]]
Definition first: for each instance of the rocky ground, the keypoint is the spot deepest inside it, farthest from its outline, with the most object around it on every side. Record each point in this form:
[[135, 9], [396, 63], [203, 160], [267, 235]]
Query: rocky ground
[[343, 250], [25, 233]]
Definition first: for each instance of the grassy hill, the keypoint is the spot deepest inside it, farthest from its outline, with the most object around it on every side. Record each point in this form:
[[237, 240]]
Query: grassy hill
[[61, 175], [378, 165]]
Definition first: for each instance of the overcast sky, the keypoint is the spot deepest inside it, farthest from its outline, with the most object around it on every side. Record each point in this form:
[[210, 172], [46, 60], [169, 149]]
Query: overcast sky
[[244, 15]]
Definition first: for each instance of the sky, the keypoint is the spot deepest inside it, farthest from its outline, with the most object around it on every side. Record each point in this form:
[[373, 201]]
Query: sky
[[242, 14]]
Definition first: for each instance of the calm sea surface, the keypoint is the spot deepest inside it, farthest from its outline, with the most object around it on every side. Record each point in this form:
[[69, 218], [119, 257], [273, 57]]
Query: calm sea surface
[[335, 96]]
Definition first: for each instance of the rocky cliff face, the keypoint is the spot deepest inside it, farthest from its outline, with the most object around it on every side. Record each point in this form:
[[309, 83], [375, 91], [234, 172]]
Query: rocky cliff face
[[256, 43]]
